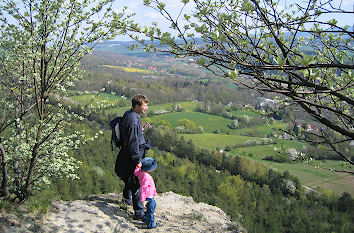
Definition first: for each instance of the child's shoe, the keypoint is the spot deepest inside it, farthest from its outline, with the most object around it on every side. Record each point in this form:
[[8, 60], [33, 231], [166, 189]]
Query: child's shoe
[[152, 225]]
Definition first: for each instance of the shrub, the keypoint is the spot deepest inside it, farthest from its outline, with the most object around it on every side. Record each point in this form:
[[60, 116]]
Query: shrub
[[280, 158], [234, 124]]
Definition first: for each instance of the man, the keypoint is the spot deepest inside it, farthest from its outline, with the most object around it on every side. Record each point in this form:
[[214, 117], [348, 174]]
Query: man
[[132, 152]]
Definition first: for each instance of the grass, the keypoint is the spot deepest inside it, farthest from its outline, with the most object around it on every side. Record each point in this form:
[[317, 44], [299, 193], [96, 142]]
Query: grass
[[211, 141], [317, 173], [208, 122], [188, 106], [102, 99], [196, 215], [244, 112], [40, 203], [118, 111], [261, 151], [260, 130]]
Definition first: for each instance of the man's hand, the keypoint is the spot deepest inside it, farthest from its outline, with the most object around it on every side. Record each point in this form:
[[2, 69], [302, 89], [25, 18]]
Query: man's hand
[[146, 124]]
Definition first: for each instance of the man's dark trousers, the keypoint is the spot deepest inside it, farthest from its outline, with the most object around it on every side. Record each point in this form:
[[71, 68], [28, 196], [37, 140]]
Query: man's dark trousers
[[125, 170]]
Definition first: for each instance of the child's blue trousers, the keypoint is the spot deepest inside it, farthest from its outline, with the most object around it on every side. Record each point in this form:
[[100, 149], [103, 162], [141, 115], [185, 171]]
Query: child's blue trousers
[[149, 213]]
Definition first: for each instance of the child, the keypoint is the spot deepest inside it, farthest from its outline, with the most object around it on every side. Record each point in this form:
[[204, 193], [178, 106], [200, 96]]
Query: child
[[147, 189]]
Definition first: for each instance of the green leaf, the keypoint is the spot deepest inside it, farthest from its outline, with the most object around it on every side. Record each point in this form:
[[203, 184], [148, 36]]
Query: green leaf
[[201, 61], [204, 11], [333, 21], [307, 60], [222, 38], [147, 2], [217, 34], [233, 74], [161, 6], [279, 60], [247, 6]]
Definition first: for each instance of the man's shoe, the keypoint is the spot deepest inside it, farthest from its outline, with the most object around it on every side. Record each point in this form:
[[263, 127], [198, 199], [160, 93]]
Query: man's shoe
[[127, 201], [137, 216], [143, 218]]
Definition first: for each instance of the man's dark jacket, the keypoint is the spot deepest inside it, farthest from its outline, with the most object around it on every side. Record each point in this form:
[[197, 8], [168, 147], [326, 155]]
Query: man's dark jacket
[[132, 150]]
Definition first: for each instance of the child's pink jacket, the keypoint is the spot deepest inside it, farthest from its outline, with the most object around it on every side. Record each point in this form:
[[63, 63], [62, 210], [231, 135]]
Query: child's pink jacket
[[147, 185]]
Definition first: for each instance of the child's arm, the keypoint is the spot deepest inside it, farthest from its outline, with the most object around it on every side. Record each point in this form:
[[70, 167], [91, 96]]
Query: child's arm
[[137, 170]]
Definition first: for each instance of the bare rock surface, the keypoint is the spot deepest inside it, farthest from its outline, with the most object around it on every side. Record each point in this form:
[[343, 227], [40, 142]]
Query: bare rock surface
[[174, 213]]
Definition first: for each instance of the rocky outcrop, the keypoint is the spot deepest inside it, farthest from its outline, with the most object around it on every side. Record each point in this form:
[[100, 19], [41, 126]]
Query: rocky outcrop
[[174, 212]]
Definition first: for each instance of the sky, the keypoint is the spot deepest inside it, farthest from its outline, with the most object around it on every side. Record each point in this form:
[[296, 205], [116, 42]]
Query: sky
[[145, 15]]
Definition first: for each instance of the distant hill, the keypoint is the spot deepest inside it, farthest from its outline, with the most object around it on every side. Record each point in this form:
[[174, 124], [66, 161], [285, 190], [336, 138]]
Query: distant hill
[[121, 47]]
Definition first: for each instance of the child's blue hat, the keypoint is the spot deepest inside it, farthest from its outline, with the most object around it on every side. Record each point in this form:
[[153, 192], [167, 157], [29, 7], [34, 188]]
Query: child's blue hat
[[148, 164]]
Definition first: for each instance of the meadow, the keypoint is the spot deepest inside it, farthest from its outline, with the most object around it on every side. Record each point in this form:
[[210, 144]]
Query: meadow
[[208, 122], [244, 112], [104, 100], [188, 106], [212, 141], [314, 174]]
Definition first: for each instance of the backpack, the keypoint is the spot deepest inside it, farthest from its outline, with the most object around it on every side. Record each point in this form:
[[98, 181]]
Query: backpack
[[116, 127]]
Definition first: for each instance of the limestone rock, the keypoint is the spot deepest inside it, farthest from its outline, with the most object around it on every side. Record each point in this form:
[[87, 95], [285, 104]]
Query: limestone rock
[[174, 213]]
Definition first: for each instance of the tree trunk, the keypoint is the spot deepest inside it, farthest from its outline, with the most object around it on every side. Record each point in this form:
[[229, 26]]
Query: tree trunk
[[27, 188], [4, 192], [17, 168]]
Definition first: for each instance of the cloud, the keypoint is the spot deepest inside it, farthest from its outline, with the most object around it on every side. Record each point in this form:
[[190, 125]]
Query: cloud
[[348, 4], [173, 3], [153, 15], [133, 5]]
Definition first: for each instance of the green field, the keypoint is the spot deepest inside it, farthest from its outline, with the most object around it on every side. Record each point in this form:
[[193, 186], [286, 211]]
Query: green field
[[318, 173], [118, 111], [314, 174], [260, 130], [244, 112], [211, 141], [208, 122], [103, 99], [188, 106]]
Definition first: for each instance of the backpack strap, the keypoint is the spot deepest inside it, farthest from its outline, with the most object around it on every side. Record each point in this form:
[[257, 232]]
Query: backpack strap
[[112, 142]]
